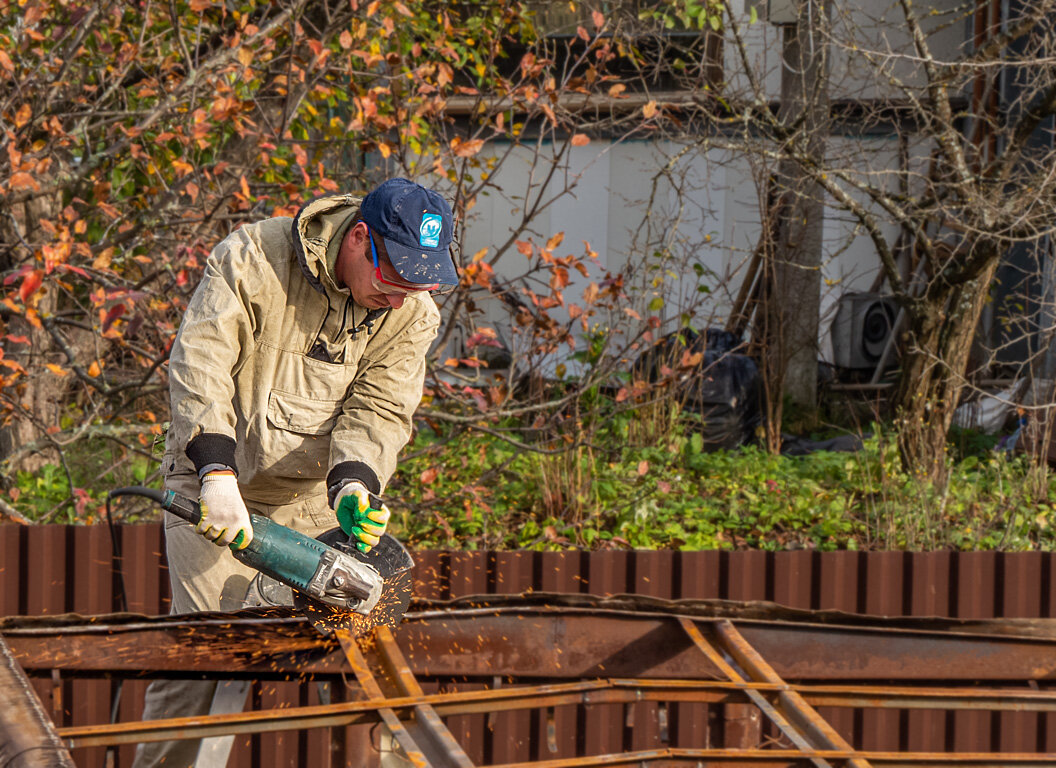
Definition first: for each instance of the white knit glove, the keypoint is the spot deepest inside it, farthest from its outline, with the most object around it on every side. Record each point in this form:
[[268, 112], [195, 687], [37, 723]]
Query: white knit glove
[[224, 514]]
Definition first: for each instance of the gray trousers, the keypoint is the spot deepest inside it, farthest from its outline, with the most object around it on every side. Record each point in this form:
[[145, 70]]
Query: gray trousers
[[206, 577]]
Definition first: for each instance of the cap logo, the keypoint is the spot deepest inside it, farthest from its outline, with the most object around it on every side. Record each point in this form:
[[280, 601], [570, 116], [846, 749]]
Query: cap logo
[[429, 231]]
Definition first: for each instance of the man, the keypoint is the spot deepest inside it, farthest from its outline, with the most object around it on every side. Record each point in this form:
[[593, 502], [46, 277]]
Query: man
[[293, 381]]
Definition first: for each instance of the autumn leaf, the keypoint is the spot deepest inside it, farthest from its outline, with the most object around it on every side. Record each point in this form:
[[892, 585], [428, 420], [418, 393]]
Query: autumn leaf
[[94, 369], [480, 254], [6, 63], [580, 140], [58, 370], [649, 110], [616, 90], [23, 115], [466, 148], [199, 6], [598, 18], [555, 241], [345, 39], [643, 468], [23, 180], [523, 246], [29, 286], [428, 476]]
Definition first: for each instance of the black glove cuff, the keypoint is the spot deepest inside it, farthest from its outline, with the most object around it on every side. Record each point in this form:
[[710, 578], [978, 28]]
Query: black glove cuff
[[211, 448], [347, 471]]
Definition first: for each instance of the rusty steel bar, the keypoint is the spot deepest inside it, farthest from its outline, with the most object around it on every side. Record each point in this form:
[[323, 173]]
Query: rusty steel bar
[[591, 644], [433, 731], [370, 686], [504, 699], [27, 735], [719, 757], [756, 697], [790, 702]]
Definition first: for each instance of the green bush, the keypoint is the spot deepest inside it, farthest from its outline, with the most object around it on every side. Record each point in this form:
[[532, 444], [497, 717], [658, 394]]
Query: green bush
[[473, 490], [642, 480]]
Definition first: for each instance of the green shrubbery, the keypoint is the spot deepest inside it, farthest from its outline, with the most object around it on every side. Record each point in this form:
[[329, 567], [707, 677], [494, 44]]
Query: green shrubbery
[[475, 491], [637, 482]]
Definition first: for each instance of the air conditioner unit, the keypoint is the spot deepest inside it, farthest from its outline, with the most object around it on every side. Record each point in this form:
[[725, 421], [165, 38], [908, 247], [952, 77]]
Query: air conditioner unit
[[861, 328]]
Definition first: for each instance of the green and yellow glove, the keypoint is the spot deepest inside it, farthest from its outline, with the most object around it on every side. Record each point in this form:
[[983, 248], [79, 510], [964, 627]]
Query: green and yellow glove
[[361, 515]]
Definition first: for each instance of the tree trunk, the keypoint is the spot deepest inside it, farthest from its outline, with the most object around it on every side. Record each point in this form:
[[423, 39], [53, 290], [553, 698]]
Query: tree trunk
[[797, 268], [938, 343]]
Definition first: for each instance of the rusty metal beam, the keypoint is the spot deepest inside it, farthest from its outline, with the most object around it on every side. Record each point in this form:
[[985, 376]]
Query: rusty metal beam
[[738, 757], [370, 686], [595, 692], [27, 736], [535, 642], [789, 702], [433, 732], [776, 715]]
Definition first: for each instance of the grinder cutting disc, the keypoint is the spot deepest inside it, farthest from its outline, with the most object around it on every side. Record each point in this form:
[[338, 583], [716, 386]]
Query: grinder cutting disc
[[393, 563]]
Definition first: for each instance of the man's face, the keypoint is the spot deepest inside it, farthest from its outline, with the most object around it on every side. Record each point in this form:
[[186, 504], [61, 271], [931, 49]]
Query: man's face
[[355, 270]]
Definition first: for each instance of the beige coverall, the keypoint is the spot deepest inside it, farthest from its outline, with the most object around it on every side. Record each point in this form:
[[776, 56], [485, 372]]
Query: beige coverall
[[279, 374]]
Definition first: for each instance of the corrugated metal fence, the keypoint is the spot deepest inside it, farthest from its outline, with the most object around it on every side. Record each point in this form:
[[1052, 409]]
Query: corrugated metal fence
[[60, 569]]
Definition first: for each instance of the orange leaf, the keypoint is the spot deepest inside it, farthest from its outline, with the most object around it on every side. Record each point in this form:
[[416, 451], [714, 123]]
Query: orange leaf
[[616, 90], [580, 140], [523, 246], [428, 475], [94, 369], [555, 241], [21, 180], [245, 186], [345, 39], [22, 116], [402, 9], [199, 6], [466, 148], [5, 62], [56, 369], [30, 284], [599, 20], [649, 110], [643, 467]]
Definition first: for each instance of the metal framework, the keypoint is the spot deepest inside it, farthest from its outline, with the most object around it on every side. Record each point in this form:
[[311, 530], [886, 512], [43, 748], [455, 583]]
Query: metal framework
[[492, 654]]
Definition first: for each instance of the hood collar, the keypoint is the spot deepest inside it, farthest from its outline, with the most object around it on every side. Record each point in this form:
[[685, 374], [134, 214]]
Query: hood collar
[[317, 229]]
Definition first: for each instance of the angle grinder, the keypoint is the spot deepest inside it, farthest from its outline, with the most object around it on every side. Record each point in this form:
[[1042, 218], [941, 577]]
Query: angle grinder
[[333, 583]]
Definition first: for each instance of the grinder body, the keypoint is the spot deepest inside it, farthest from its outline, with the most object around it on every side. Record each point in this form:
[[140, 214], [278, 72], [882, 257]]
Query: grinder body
[[308, 565]]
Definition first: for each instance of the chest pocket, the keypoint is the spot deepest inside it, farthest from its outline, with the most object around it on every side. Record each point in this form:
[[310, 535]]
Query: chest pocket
[[301, 414]]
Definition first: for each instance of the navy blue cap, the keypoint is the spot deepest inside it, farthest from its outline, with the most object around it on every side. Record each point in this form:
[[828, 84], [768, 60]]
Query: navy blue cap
[[417, 226]]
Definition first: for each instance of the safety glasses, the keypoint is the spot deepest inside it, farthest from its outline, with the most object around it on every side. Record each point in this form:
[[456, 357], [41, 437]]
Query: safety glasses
[[385, 285]]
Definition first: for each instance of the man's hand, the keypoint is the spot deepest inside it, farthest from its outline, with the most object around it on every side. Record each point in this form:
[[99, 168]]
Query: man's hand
[[225, 519], [359, 518]]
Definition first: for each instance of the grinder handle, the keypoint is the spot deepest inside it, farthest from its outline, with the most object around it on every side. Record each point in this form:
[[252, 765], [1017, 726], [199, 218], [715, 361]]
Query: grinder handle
[[181, 506]]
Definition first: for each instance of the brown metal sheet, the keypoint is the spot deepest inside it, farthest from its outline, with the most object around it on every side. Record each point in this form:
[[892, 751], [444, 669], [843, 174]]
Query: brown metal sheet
[[469, 575], [976, 595], [698, 576], [929, 582], [513, 574], [13, 579]]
